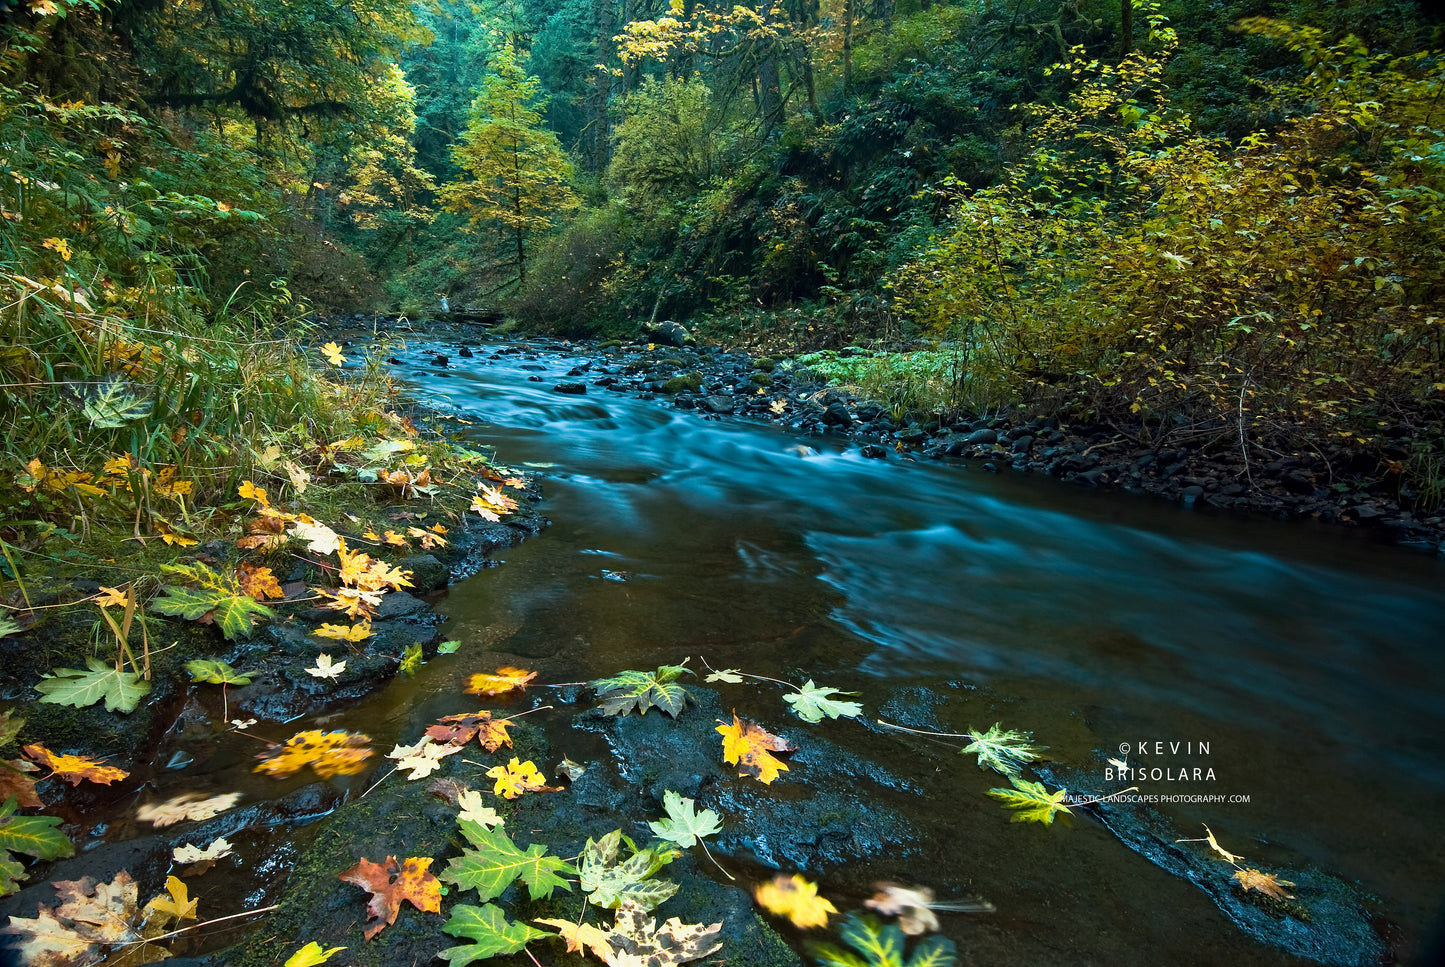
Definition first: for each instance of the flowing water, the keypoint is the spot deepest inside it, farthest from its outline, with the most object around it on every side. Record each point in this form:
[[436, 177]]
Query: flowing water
[[1303, 664]]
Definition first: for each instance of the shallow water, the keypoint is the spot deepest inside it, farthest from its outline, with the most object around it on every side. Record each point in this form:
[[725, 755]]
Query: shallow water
[[1303, 663]]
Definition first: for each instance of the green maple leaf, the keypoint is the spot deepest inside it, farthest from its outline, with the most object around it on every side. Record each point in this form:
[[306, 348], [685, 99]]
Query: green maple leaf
[[608, 879], [216, 673], [231, 611], [1034, 803], [411, 659], [497, 862], [1004, 752], [9, 726], [631, 689], [883, 946], [33, 835], [9, 627], [812, 703], [684, 825], [122, 691], [489, 927]]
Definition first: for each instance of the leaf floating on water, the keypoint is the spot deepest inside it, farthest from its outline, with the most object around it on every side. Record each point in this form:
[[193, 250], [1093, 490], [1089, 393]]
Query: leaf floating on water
[[187, 806], [1034, 803], [730, 675], [390, 883], [795, 898], [913, 906], [505, 680], [813, 702], [74, 768], [219, 849], [459, 729], [637, 690], [884, 946], [750, 748], [330, 754], [1006, 752]]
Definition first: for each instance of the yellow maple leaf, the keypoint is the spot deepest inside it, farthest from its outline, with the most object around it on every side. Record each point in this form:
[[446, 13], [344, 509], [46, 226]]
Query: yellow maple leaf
[[429, 538], [328, 753], [353, 633], [583, 935], [482, 509], [74, 768], [1266, 883], [750, 748], [112, 597], [172, 536], [332, 352], [353, 602], [795, 898], [250, 491], [177, 906], [57, 245], [505, 680], [392, 537], [515, 778]]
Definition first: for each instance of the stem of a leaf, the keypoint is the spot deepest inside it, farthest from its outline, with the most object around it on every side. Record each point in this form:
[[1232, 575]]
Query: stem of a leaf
[[204, 923], [936, 735], [714, 860], [1111, 795]]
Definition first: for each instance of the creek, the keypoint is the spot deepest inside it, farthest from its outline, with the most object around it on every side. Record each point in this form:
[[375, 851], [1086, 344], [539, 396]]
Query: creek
[[1297, 668]]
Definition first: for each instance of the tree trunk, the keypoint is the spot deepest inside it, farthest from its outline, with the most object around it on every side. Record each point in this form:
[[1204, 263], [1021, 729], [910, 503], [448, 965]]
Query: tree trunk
[[1126, 27]]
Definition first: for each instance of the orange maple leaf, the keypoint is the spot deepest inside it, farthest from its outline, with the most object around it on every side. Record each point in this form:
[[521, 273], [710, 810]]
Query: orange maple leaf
[[259, 582], [750, 748], [1266, 883], [74, 768], [390, 883], [365, 573], [505, 680], [490, 732], [329, 753], [795, 898]]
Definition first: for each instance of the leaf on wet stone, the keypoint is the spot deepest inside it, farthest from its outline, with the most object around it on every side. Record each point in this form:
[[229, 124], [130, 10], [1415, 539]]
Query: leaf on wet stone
[[391, 882], [122, 691], [188, 854], [459, 730], [636, 940], [1266, 883], [335, 753], [311, 955], [814, 702], [74, 768], [582, 937], [15, 782], [319, 538], [608, 879], [350, 633], [1004, 751], [258, 582], [684, 824], [37, 836], [473, 809], [884, 946], [90, 916], [192, 806], [326, 668], [489, 929], [749, 747], [423, 758], [174, 904], [1034, 803], [505, 680], [494, 862], [10, 726], [797, 899], [448, 647], [638, 690], [516, 778], [731, 676], [233, 612], [211, 672]]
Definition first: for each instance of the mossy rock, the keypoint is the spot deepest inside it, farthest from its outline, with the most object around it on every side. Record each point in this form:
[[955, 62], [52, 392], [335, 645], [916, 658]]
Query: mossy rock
[[687, 383]]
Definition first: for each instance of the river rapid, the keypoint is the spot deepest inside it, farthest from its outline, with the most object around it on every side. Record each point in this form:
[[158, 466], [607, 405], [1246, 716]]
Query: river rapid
[[1291, 674]]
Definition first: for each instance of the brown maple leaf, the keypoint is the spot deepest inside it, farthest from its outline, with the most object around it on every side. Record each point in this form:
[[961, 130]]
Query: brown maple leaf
[[795, 898], [328, 753], [750, 748], [390, 883], [74, 768], [1266, 883], [14, 782], [505, 680], [259, 582], [490, 733]]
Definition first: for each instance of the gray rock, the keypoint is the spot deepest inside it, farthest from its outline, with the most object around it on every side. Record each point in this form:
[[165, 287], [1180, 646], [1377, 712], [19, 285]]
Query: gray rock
[[874, 452], [984, 435], [668, 333], [573, 389], [837, 414], [720, 403], [427, 573], [1023, 444]]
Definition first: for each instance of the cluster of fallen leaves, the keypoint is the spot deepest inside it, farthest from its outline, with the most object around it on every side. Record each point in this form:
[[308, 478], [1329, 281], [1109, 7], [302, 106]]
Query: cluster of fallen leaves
[[93, 918], [1248, 878]]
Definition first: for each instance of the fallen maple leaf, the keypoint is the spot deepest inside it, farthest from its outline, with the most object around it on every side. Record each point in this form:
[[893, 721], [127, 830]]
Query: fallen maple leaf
[[607, 878], [93, 916], [495, 862], [750, 748], [505, 680], [332, 352], [15, 783], [814, 702], [471, 808], [636, 941], [795, 898], [259, 582], [515, 778], [319, 538], [492, 932], [423, 758], [1034, 803], [355, 602], [74, 768], [684, 825], [329, 753], [188, 805], [632, 689], [882, 945], [311, 955], [351, 633], [490, 733], [1266, 883], [219, 849], [390, 883], [1006, 752], [325, 668]]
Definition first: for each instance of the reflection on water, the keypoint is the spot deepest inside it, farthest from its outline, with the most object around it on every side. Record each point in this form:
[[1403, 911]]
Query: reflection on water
[[1309, 660]]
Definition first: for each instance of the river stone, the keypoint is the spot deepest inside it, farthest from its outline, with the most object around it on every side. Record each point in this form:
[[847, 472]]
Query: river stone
[[1023, 444], [873, 452], [427, 573], [572, 389], [837, 414], [913, 434], [984, 435], [668, 333], [719, 403]]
